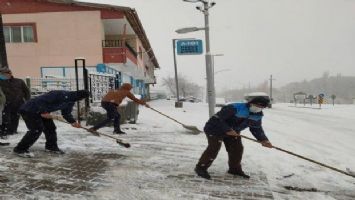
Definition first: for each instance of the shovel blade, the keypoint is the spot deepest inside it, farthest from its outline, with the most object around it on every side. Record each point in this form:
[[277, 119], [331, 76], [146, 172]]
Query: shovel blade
[[194, 130], [127, 145]]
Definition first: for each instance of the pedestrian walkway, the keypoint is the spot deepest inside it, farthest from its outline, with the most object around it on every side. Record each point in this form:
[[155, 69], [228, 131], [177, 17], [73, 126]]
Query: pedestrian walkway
[[159, 165], [167, 169], [53, 176]]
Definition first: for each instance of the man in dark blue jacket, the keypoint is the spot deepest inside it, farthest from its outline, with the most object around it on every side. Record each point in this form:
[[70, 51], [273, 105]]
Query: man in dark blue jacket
[[225, 126], [36, 114]]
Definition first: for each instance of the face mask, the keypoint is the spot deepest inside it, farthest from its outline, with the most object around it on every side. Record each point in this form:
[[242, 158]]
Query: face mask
[[3, 77], [255, 109]]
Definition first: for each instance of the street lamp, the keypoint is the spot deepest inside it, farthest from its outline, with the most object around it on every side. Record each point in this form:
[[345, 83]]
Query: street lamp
[[222, 70], [214, 73], [188, 30], [213, 55], [209, 73]]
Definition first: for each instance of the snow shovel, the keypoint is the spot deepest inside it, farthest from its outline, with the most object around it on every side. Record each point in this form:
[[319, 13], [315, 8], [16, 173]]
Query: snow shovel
[[118, 141], [193, 129], [304, 158]]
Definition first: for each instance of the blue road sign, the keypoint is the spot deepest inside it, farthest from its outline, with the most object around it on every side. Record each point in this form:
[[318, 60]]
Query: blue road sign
[[189, 47]]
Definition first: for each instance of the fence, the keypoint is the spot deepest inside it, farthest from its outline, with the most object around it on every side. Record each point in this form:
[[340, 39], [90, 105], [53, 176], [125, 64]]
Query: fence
[[99, 85], [42, 85]]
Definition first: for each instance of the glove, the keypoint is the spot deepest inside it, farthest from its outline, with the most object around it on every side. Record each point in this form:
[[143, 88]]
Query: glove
[[46, 115], [232, 133], [266, 143], [76, 125]]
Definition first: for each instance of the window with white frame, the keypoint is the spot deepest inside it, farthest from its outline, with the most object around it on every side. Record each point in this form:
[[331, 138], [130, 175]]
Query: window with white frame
[[19, 33]]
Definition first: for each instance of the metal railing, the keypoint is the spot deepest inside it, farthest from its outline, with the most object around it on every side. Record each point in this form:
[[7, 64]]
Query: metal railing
[[118, 44], [99, 85], [112, 43], [42, 85]]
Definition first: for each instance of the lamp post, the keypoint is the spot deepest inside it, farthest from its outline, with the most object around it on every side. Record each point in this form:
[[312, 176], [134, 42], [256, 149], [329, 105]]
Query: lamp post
[[210, 82]]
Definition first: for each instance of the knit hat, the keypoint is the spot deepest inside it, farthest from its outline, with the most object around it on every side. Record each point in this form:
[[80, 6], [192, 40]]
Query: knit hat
[[263, 101], [126, 86]]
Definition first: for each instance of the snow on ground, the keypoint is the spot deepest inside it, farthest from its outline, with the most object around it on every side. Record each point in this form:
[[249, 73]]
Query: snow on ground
[[160, 163], [325, 135]]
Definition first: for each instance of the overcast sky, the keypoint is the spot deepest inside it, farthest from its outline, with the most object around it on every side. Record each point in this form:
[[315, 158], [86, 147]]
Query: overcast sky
[[293, 40]]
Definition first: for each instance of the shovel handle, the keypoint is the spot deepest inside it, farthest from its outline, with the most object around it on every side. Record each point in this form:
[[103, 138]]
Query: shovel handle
[[167, 116], [304, 158], [118, 141]]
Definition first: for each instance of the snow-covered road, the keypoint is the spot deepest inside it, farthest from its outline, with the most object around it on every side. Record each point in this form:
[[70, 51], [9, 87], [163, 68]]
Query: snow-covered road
[[160, 163]]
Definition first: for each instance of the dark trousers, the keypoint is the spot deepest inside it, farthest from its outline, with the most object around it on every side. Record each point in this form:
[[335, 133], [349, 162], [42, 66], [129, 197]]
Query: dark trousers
[[36, 125], [233, 146], [112, 115], [10, 120]]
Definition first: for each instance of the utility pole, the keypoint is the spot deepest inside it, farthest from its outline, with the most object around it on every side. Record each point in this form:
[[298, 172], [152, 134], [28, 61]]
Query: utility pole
[[211, 94], [271, 99], [210, 81]]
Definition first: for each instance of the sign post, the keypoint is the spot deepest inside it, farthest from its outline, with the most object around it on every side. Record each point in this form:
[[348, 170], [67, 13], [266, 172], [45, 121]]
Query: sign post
[[184, 47]]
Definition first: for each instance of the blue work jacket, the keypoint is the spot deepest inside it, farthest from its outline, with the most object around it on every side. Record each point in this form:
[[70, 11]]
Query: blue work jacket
[[235, 117]]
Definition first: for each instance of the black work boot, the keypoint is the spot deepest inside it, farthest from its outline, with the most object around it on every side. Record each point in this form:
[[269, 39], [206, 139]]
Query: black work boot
[[202, 172], [119, 132], [23, 153], [238, 173], [55, 150]]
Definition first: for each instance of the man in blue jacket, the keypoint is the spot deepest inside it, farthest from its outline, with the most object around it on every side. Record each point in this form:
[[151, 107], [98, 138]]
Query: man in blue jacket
[[225, 126], [36, 114]]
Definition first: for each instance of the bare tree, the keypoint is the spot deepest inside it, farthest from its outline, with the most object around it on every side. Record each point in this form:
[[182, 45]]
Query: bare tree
[[186, 87]]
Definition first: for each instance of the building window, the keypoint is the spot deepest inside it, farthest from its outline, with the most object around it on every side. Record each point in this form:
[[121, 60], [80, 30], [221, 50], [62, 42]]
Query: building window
[[18, 33]]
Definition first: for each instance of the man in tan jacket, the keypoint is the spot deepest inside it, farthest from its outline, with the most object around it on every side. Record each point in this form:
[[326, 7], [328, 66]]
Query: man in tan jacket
[[111, 101]]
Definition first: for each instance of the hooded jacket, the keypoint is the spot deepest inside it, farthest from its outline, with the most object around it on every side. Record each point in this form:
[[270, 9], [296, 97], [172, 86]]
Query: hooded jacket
[[116, 96], [235, 117], [53, 101]]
